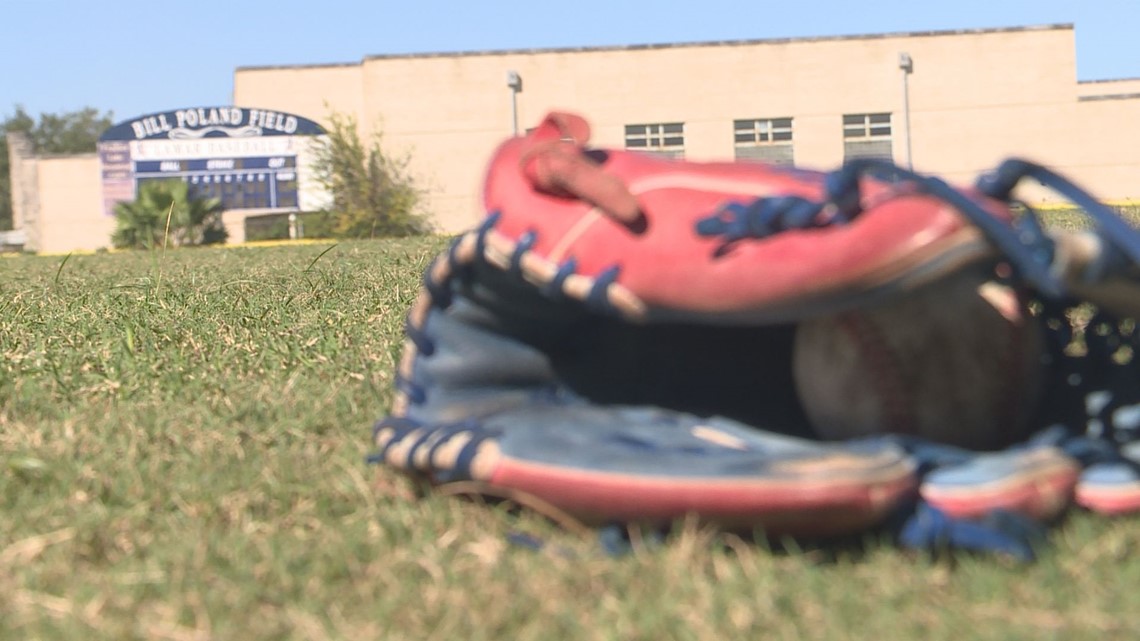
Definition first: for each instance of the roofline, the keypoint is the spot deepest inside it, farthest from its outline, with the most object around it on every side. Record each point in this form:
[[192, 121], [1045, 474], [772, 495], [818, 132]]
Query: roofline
[[1110, 96], [1107, 80], [674, 45], [307, 65]]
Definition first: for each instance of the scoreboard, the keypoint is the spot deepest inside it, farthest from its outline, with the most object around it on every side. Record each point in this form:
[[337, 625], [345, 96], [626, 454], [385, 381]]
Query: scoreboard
[[246, 158], [256, 182]]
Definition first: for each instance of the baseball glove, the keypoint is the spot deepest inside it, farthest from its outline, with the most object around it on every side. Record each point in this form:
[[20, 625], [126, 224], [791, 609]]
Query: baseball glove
[[632, 339]]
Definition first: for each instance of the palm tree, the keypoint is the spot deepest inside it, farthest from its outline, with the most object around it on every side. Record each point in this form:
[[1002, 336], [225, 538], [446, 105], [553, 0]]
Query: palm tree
[[141, 223]]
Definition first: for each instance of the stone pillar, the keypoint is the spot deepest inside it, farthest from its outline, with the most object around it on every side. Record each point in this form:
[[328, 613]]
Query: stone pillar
[[234, 222], [24, 173]]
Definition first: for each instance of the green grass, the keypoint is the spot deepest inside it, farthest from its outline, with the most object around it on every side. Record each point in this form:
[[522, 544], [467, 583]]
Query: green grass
[[1066, 217], [181, 457]]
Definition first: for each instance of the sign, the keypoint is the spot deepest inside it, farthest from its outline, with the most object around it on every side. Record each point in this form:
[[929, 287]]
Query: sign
[[247, 158]]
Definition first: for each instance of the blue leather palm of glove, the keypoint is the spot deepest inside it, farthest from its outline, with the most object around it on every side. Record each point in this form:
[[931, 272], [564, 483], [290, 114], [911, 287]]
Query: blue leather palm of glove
[[998, 532]]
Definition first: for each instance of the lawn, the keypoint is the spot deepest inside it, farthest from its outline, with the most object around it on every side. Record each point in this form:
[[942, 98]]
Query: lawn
[[182, 443]]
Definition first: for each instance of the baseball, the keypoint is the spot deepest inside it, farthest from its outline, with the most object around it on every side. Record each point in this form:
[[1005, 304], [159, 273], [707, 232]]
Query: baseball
[[959, 362]]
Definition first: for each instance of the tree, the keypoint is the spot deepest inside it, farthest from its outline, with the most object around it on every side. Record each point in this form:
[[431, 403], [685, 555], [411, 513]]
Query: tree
[[67, 133], [141, 223], [373, 194]]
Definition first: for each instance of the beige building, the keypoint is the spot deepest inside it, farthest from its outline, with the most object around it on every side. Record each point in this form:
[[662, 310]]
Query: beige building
[[952, 103], [56, 200], [973, 98]]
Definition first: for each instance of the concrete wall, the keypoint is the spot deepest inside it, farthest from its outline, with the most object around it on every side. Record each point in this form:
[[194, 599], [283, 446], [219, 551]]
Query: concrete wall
[[67, 222], [1103, 152], [1094, 89], [56, 200], [24, 175]]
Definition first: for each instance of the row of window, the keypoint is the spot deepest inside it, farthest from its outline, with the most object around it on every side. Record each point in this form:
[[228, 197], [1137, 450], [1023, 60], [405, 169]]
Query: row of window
[[768, 139]]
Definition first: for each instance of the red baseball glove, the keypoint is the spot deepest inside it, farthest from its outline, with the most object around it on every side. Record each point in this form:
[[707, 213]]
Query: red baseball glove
[[627, 338]]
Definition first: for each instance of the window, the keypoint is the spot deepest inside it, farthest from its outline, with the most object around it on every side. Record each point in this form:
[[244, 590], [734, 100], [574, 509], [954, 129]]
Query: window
[[766, 139], [664, 139], [867, 136]]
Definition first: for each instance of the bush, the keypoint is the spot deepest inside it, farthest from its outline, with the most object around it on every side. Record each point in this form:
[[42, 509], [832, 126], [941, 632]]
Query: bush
[[311, 224], [142, 223], [373, 193]]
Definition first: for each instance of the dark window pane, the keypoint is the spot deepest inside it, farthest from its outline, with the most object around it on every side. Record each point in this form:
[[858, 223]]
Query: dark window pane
[[854, 119], [675, 128], [635, 142], [777, 154], [782, 135], [745, 137], [868, 149], [878, 119]]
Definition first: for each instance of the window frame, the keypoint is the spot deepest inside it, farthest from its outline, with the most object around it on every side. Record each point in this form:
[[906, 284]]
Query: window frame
[[770, 140], [661, 138], [863, 126]]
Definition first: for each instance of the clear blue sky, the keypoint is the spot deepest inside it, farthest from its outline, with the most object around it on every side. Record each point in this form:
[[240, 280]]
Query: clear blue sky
[[134, 57]]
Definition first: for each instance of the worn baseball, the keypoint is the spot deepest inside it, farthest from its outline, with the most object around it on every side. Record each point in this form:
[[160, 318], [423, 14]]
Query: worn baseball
[[958, 362]]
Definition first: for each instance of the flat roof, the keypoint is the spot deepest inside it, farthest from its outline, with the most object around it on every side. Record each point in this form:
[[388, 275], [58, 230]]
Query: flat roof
[[673, 45], [1108, 80]]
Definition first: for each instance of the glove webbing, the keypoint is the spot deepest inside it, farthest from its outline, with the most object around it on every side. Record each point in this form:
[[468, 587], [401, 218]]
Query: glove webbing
[[601, 293], [1025, 244]]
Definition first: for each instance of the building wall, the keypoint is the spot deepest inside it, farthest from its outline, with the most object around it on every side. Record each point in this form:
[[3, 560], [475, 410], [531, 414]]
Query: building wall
[[975, 97], [1105, 155], [71, 214], [24, 175], [316, 90], [1094, 89]]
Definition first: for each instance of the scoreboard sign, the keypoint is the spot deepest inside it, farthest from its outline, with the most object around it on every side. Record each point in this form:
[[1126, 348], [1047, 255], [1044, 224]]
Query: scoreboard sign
[[246, 158]]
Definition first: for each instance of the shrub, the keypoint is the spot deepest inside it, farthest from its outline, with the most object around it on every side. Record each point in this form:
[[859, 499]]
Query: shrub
[[373, 194], [142, 223]]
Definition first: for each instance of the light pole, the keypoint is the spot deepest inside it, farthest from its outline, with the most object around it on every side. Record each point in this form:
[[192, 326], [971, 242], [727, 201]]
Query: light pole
[[906, 64], [514, 81]]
